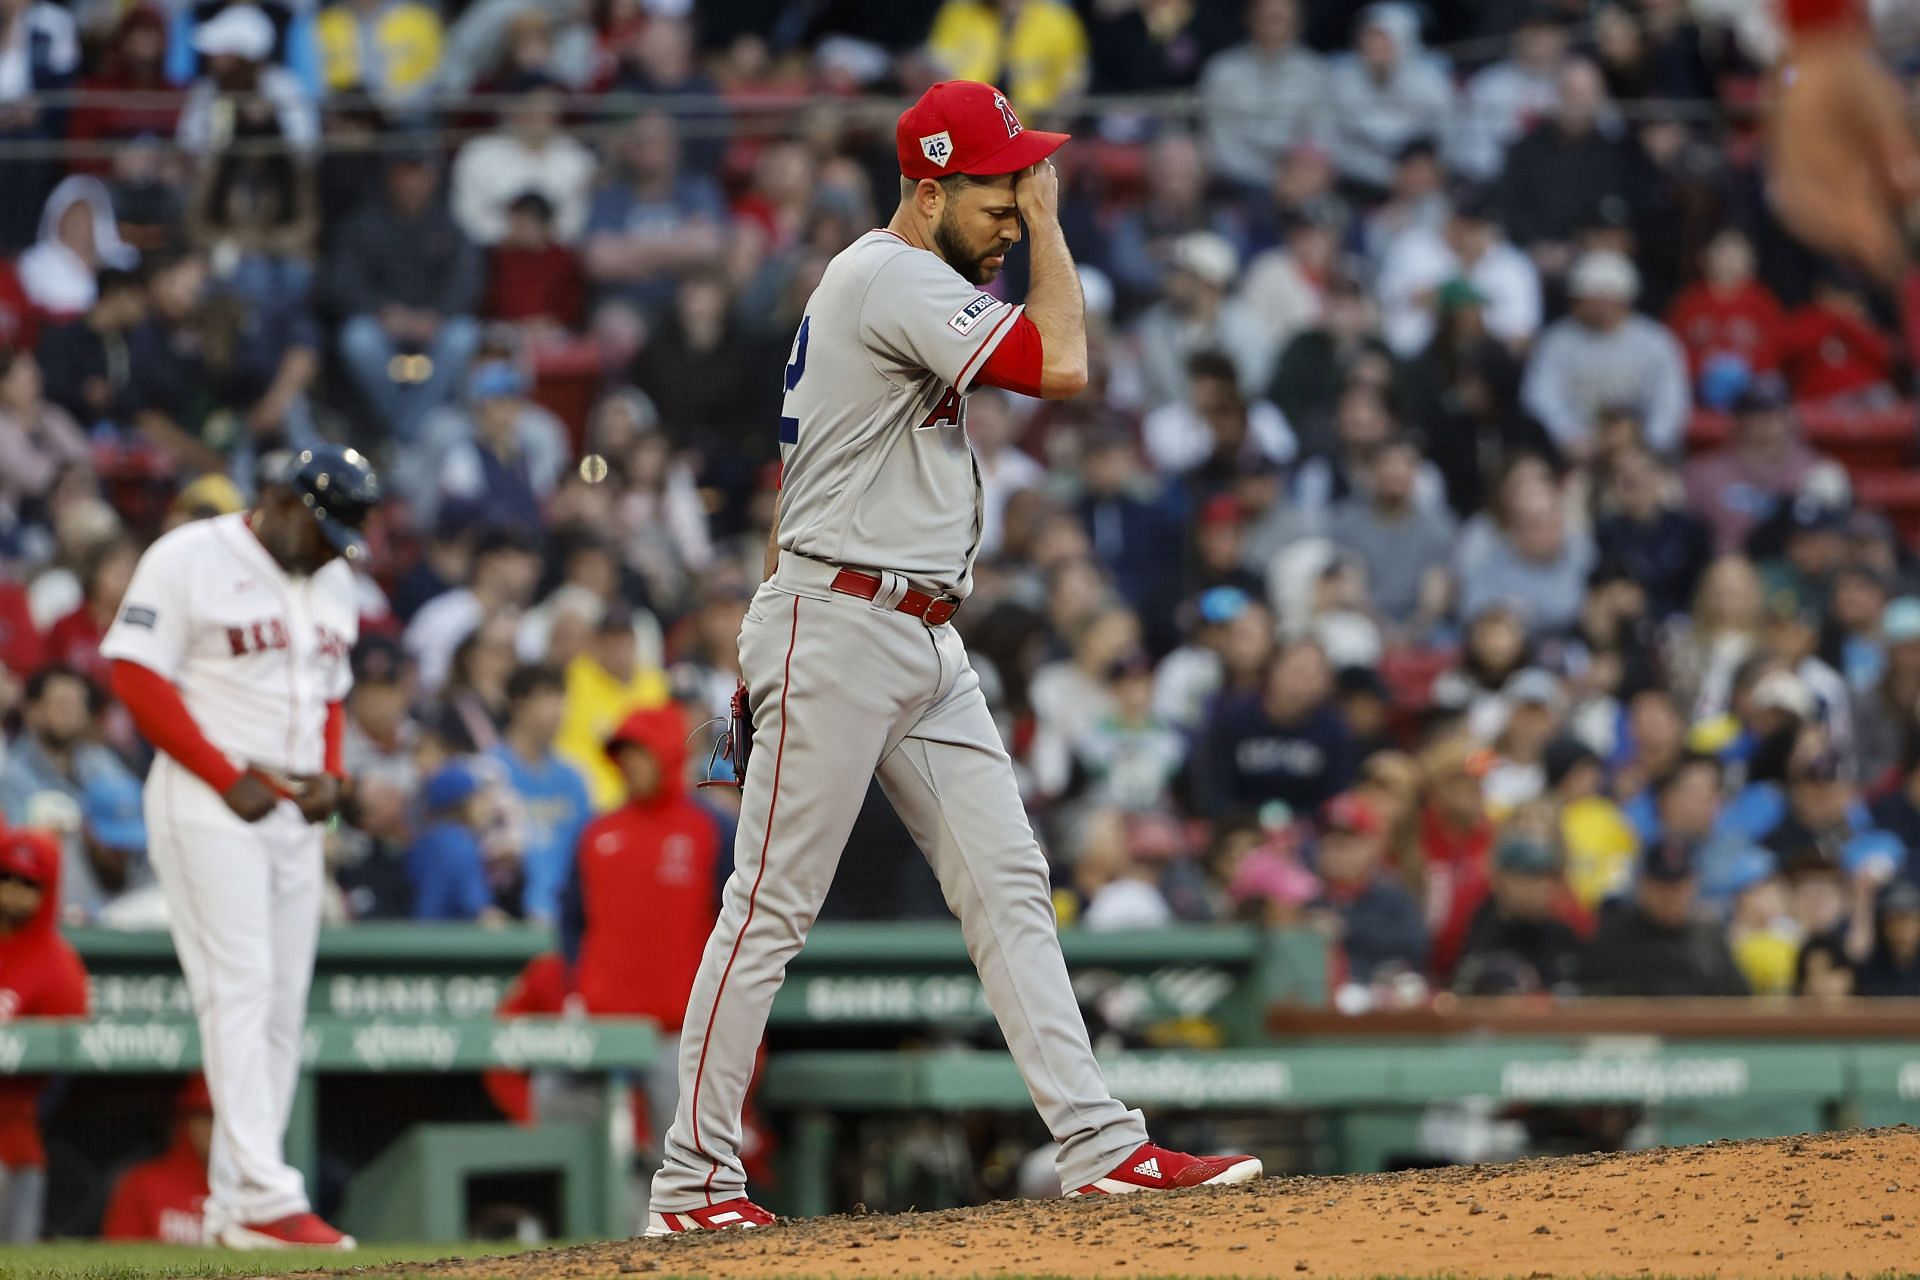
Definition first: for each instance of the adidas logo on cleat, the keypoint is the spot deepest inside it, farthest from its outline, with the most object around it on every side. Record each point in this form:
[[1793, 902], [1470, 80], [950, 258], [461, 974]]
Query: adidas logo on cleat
[[1148, 1168]]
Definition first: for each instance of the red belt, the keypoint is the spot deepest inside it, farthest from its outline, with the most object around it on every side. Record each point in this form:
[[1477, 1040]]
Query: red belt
[[932, 610]]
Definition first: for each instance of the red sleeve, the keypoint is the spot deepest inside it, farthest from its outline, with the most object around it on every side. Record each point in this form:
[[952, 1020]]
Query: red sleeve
[[65, 995], [336, 735], [163, 720], [1803, 16], [1016, 363]]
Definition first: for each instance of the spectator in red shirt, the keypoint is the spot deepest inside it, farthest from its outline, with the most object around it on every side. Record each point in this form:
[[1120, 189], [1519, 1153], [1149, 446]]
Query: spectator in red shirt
[[1456, 843], [646, 891], [40, 977], [1727, 312], [162, 1198], [134, 66], [531, 279], [1833, 350], [74, 641]]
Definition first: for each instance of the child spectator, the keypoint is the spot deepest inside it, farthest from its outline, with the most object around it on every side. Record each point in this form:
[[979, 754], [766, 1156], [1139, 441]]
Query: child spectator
[[552, 795], [446, 863], [1727, 314], [1833, 349]]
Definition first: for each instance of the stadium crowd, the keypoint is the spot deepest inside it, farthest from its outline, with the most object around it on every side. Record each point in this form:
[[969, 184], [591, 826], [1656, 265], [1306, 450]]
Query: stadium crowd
[[1442, 556]]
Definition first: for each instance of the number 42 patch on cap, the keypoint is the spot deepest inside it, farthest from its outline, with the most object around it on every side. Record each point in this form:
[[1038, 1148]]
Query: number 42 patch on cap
[[937, 148], [968, 316]]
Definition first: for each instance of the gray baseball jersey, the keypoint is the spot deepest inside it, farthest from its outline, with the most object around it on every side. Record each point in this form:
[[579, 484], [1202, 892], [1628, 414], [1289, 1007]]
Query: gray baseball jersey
[[878, 471]]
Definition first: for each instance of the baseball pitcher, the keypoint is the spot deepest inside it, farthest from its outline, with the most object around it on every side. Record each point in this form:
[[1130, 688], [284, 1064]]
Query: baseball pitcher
[[231, 652], [852, 668]]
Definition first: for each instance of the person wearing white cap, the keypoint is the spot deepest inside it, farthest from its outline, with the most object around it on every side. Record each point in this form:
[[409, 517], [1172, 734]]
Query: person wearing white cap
[[1606, 356], [1199, 312], [236, 47]]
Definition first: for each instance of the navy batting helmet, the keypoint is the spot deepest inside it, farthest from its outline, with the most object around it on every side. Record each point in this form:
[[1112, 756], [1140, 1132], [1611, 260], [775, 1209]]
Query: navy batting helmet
[[338, 485]]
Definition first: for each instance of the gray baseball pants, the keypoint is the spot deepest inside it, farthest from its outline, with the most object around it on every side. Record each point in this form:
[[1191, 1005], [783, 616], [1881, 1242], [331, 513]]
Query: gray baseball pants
[[841, 689]]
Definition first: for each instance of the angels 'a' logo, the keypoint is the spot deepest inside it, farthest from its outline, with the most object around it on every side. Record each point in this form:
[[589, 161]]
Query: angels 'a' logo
[[1006, 114]]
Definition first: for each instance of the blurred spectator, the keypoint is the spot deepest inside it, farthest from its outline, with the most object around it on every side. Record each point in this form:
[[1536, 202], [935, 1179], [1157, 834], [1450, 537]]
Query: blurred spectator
[[445, 862], [1362, 423], [1892, 968], [532, 280], [39, 54], [1134, 523], [1140, 46], [168, 368], [1142, 243], [1402, 544], [552, 795], [1129, 759], [1533, 563], [1653, 944], [38, 439], [241, 93], [660, 847], [87, 363], [1502, 101], [1285, 286], [1315, 368], [1213, 433], [1198, 314], [1727, 318], [607, 681], [1735, 486], [689, 369], [161, 1199], [379, 748], [1416, 201], [1283, 742], [1833, 350], [1456, 837], [1518, 940], [386, 49], [1035, 49], [59, 752], [128, 95], [40, 977], [1367, 913], [1005, 470], [1762, 933], [1384, 95], [467, 717], [1825, 814], [1523, 722], [408, 281], [1467, 387], [1597, 841], [78, 241], [504, 570], [1422, 264], [1605, 356], [1823, 972], [501, 458], [1228, 629], [1569, 174], [1260, 98], [1650, 534], [653, 220], [529, 154]]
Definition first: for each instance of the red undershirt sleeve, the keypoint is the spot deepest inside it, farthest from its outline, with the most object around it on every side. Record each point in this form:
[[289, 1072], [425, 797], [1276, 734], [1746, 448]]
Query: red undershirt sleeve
[[1016, 364], [1804, 16], [336, 736], [164, 721]]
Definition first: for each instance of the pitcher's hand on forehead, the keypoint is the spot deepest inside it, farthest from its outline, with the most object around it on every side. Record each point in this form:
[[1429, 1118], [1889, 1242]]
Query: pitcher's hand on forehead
[[1036, 192]]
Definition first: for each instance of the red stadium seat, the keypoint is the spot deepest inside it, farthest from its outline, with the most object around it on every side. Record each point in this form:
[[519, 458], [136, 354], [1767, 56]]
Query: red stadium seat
[[1864, 441], [1895, 493]]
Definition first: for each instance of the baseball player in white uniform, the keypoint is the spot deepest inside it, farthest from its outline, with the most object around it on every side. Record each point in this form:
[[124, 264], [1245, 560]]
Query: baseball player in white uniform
[[231, 651], [852, 669]]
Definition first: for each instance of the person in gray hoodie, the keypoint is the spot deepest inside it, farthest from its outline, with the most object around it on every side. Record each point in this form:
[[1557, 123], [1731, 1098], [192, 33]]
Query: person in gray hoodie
[[1387, 93]]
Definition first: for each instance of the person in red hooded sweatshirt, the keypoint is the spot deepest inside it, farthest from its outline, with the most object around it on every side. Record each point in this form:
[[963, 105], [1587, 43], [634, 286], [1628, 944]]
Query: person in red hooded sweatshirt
[[645, 893], [162, 1198], [40, 977]]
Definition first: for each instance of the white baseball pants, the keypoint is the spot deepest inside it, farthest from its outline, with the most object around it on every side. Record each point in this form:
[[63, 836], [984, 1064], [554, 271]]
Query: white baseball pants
[[243, 904], [841, 689]]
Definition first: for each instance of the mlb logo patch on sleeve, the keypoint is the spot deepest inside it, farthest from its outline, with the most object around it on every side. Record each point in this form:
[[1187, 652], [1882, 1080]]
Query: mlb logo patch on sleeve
[[138, 615], [968, 316]]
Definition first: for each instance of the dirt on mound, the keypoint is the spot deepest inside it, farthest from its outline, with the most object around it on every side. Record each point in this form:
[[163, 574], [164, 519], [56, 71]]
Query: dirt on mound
[[1827, 1204]]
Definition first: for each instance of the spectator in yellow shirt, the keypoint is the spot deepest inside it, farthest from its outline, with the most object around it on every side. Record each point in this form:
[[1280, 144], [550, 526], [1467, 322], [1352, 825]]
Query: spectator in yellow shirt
[[388, 48], [1035, 49], [606, 682]]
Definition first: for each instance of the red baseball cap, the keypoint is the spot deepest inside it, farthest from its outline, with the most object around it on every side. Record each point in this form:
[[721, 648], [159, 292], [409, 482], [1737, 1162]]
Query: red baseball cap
[[963, 126], [26, 853], [1353, 813]]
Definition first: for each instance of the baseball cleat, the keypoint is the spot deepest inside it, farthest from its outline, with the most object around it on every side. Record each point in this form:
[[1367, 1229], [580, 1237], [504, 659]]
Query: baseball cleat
[[728, 1215], [1152, 1168], [295, 1231]]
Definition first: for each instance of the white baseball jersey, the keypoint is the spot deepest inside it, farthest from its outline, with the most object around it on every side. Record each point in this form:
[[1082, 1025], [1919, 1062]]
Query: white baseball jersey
[[877, 470], [257, 652]]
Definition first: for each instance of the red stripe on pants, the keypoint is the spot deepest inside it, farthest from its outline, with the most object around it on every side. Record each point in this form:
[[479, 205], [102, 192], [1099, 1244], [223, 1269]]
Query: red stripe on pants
[[773, 802]]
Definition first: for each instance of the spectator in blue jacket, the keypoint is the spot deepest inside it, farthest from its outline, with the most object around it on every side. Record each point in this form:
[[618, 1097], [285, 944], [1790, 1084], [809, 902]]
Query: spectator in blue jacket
[[446, 865], [1287, 743], [552, 794]]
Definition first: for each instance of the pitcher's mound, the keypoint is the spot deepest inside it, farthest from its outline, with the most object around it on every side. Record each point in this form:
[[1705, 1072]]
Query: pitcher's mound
[[1826, 1204]]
